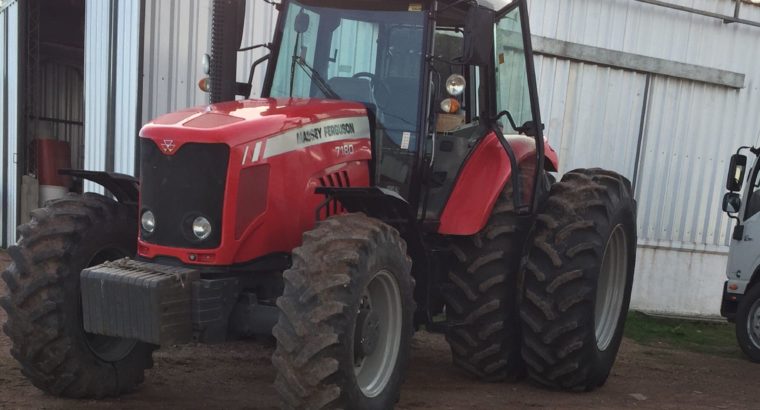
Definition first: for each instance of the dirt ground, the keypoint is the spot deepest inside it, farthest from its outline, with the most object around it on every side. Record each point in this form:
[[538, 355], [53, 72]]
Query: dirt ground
[[240, 375]]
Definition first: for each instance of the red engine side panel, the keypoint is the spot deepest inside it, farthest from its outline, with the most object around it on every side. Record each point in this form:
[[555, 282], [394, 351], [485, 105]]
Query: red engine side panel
[[276, 163], [483, 178]]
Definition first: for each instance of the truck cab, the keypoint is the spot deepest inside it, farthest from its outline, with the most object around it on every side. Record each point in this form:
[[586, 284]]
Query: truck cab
[[741, 295]]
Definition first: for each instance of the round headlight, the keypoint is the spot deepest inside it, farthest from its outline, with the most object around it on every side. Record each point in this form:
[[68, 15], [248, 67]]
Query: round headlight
[[206, 64], [456, 84], [148, 222], [201, 228]]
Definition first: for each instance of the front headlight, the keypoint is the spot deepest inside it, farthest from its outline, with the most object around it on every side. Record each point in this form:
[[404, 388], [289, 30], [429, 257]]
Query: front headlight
[[201, 228], [148, 222]]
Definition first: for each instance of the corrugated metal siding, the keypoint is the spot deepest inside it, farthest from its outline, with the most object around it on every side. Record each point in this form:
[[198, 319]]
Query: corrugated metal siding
[[176, 37], [3, 122], [691, 128], [96, 86], [13, 67], [127, 86], [592, 113]]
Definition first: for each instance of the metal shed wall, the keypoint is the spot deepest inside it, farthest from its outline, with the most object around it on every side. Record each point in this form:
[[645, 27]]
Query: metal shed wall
[[9, 52], [3, 125]]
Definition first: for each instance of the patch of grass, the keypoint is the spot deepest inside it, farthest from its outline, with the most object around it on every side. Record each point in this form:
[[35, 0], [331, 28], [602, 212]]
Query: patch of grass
[[711, 338]]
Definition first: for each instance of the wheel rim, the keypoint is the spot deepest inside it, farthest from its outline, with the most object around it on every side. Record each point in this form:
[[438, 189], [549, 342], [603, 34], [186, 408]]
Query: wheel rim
[[610, 290], [382, 298], [107, 348], [753, 324]]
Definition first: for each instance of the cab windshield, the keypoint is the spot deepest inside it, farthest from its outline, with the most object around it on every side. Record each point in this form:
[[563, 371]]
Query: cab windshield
[[373, 56]]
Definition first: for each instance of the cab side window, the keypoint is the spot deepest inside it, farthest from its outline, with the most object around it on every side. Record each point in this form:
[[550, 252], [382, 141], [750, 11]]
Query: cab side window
[[512, 91]]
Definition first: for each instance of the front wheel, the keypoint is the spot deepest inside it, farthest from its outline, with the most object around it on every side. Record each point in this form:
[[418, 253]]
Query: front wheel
[[44, 300], [578, 275], [748, 324], [345, 326]]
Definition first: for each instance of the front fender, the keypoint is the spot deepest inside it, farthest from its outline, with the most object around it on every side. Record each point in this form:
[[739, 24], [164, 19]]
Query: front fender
[[125, 188], [482, 179]]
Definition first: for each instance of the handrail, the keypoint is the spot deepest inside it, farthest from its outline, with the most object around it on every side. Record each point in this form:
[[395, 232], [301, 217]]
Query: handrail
[[726, 18]]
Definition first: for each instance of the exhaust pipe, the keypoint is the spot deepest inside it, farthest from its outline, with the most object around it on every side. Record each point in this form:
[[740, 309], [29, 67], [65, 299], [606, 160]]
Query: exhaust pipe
[[227, 22]]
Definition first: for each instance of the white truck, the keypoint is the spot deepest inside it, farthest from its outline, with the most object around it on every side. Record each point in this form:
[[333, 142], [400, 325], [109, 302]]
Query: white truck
[[741, 294]]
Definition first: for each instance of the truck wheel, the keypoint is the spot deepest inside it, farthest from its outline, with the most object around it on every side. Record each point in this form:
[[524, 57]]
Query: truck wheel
[[577, 280], [481, 300], [44, 301], [345, 326], [748, 324]]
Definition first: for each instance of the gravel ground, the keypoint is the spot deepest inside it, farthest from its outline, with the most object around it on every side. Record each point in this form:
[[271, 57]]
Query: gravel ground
[[239, 375]]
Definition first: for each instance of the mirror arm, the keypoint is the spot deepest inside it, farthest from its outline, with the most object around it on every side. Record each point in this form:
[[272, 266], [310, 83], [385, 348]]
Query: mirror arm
[[511, 120], [253, 71], [267, 45]]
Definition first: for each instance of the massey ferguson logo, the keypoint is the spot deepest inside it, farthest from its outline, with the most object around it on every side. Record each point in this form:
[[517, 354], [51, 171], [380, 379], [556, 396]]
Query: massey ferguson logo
[[330, 131], [168, 146]]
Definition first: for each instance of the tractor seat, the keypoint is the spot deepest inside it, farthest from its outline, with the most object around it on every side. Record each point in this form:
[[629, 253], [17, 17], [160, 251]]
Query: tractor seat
[[352, 89]]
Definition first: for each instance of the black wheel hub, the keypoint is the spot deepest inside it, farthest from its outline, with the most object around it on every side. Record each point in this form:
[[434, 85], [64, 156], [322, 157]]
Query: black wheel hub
[[367, 333]]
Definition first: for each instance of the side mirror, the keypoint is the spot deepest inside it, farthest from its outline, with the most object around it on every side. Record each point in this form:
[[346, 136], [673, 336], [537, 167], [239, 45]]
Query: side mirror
[[478, 36], [732, 203], [302, 22], [736, 172]]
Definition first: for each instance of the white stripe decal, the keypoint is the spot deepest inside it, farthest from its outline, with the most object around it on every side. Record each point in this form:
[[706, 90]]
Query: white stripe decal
[[256, 152], [318, 133], [245, 154]]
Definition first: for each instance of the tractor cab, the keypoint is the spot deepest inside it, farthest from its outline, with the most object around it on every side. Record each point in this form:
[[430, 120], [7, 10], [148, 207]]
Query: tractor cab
[[435, 78]]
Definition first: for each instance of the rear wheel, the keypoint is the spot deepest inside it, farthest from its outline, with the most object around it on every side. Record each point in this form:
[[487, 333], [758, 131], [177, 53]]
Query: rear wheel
[[481, 307], [748, 324], [345, 326], [44, 304], [578, 275]]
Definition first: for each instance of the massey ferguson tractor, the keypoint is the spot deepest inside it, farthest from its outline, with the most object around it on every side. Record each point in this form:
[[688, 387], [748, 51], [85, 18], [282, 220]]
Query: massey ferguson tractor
[[394, 176]]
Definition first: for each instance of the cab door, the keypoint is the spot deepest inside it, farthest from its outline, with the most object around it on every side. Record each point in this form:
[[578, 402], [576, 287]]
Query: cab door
[[744, 254]]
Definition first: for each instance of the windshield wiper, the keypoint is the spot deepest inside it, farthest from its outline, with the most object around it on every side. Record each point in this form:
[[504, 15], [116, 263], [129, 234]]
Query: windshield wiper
[[316, 78]]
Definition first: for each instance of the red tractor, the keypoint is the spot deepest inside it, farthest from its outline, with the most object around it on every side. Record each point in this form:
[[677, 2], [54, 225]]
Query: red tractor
[[394, 176]]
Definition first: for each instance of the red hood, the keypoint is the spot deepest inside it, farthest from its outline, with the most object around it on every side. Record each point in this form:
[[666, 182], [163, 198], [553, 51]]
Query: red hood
[[238, 122]]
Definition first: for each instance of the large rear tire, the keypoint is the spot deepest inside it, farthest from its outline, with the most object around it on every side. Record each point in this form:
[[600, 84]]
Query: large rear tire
[[345, 326], [578, 275], [44, 301], [481, 300]]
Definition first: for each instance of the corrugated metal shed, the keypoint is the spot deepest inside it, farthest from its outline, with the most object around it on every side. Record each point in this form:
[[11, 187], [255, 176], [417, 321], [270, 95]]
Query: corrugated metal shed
[[10, 95], [690, 128]]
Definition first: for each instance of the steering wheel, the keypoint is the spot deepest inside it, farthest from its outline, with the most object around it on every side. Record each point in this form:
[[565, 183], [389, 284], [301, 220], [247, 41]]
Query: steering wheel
[[376, 83]]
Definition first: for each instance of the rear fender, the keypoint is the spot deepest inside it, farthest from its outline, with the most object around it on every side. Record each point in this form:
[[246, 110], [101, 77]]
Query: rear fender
[[482, 179]]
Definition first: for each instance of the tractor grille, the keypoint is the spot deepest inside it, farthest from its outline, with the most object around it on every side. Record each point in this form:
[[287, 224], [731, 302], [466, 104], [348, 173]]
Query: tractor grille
[[182, 187]]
